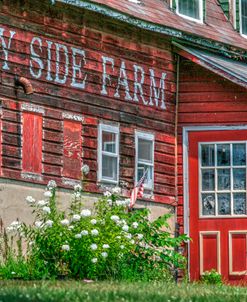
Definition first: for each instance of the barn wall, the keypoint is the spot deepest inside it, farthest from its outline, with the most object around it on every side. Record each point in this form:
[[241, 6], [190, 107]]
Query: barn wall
[[53, 100], [205, 99]]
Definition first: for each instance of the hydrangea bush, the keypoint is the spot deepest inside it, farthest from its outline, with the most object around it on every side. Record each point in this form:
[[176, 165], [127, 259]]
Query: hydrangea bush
[[107, 241]]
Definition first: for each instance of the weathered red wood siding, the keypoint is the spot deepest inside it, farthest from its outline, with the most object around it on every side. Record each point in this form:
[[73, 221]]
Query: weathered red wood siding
[[205, 99], [96, 36]]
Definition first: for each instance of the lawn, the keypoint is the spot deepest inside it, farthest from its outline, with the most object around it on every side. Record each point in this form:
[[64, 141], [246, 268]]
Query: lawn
[[64, 291]]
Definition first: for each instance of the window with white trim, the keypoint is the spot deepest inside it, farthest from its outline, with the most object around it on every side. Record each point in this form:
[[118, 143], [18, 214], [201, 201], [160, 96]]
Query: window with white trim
[[145, 158], [190, 9], [108, 153], [223, 178], [243, 16]]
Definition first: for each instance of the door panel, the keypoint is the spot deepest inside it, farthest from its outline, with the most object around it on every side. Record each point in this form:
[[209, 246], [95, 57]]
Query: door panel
[[217, 203]]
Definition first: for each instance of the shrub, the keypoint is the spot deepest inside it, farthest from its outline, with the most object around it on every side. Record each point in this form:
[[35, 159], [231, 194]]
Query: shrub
[[212, 277], [105, 242]]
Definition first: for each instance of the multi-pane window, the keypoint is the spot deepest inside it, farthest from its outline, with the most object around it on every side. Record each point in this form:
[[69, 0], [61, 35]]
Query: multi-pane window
[[243, 16], [145, 158], [108, 154], [192, 9], [223, 179]]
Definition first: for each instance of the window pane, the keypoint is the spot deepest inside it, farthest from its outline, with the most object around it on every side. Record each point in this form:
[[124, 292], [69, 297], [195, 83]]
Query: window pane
[[239, 203], [224, 205], [149, 176], [239, 154], [224, 181], [189, 8], [109, 142], [244, 16], [145, 150], [208, 204], [208, 180], [109, 167], [223, 155], [239, 179], [207, 155]]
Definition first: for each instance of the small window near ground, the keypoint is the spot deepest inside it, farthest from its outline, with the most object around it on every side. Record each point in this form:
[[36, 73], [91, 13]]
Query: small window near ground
[[190, 9], [108, 153], [243, 17], [145, 158]]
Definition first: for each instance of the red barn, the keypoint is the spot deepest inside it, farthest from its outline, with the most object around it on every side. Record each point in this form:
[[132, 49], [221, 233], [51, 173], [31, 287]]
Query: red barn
[[129, 86]]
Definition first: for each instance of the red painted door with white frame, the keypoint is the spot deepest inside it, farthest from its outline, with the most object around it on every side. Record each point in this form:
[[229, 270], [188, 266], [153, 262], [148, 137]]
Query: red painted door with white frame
[[217, 163]]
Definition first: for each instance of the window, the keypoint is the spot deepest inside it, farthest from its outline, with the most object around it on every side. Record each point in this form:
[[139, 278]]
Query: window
[[145, 158], [108, 153], [243, 16], [190, 9], [32, 143], [72, 149], [223, 179]]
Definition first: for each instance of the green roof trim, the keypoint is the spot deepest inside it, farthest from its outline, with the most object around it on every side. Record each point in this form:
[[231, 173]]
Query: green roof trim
[[225, 7], [105, 10]]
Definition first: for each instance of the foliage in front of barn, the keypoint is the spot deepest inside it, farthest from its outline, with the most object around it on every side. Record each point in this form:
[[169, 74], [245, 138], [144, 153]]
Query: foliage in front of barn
[[102, 243]]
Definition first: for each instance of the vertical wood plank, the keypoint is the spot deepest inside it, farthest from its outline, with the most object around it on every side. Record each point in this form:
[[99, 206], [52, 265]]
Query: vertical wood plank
[[239, 260]]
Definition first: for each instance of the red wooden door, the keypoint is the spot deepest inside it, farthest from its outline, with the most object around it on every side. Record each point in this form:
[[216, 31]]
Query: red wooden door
[[217, 203]]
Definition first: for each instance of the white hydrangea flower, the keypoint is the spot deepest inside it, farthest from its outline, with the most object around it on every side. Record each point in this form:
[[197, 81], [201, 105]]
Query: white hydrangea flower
[[49, 223], [115, 218], [84, 233], [86, 213], [116, 190], [48, 194], [65, 247], [78, 188], [122, 246], [31, 243], [94, 260], [139, 236], [106, 246], [128, 236], [42, 203], [93, 221], [94, 246], [127, 201], [76, 217], [14, 226], [95, 232], [109, 202], [107, 194], [46, 210], [52, 184], [78, 236], [120, 203], [125, 228], [132, 241], [30, 200], [38, 224], [65, 222], [118, 237], [104, 254], [71, 227], [85, 169], [135, 225], [76, 195]]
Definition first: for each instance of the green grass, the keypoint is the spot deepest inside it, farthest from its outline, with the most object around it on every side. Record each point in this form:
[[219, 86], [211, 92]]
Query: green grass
[[72, 291]]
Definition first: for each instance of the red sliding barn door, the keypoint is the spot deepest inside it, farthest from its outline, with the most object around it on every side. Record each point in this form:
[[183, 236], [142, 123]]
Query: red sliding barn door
[[217, 203]]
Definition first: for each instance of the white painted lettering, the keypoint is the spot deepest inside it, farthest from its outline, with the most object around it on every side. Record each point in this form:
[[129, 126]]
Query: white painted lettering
[[138, 85], [77, 68], [36, 58], [63, 79], [106, 77], [123, 81], [157, 91], [6, 47], [49, 45]]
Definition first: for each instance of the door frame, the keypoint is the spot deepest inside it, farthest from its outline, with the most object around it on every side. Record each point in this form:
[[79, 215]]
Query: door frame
[[186, 204]]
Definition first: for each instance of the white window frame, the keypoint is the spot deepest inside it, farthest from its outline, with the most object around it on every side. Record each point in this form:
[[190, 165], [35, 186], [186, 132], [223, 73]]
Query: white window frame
[[200, 20], [114, 130], [240, 19], [149, 137], [231, 190]]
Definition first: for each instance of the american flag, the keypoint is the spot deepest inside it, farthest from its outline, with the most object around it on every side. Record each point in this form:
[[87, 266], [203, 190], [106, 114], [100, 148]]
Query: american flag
[[138, 190]]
